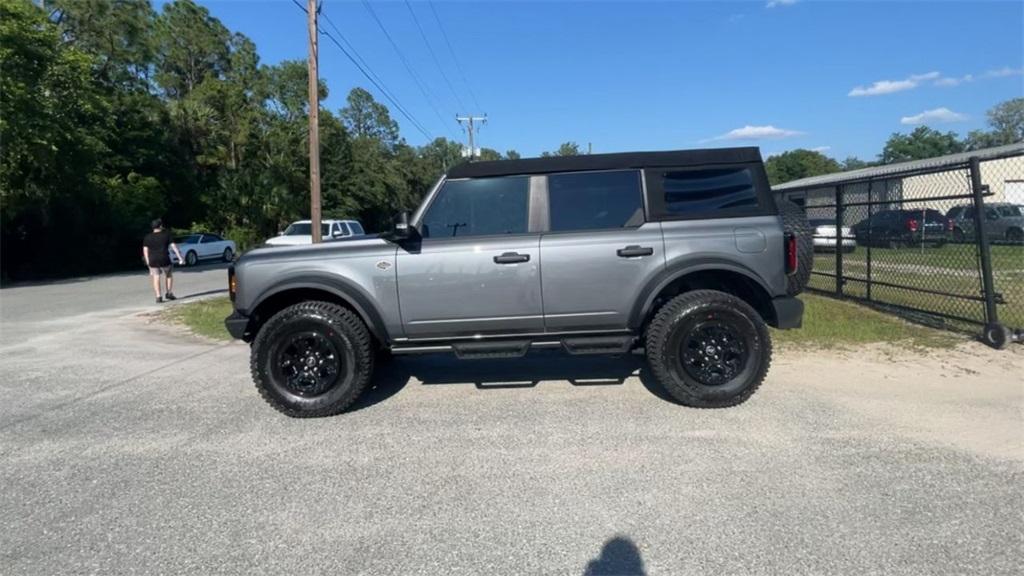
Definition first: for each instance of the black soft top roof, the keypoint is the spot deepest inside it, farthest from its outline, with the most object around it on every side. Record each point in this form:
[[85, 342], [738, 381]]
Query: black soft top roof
[[623, 160]]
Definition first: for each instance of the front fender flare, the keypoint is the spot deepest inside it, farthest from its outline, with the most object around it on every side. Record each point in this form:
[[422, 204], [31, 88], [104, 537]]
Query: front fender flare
[[340, 287]]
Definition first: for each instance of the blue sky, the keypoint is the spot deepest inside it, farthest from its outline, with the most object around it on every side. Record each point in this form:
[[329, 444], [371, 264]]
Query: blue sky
[[836, 76]]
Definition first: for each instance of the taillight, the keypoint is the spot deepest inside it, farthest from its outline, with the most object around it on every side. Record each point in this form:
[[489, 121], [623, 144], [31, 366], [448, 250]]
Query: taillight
[[791, 255], [912, 225], [949, 225], [232, 282]]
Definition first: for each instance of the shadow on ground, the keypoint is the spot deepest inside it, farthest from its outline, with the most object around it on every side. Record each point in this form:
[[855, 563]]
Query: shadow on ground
[[393, 374], [619, 557]]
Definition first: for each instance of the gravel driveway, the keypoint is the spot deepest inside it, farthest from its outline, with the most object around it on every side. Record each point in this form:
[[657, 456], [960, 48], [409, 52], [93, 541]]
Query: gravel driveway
[[130, 447]]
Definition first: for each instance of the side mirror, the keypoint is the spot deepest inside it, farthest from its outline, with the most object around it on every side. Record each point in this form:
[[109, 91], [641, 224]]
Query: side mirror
[[402, 230], [337, 234]]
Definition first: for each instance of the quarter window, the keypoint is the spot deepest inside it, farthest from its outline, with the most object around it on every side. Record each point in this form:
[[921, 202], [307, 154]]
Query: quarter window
[[478, 207], [709, 190], [595, 200]]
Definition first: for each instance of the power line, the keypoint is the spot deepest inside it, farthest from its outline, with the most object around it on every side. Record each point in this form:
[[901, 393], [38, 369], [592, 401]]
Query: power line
[[455, 58], [408, 68], [370, 75], [434, 56], [382, 90]]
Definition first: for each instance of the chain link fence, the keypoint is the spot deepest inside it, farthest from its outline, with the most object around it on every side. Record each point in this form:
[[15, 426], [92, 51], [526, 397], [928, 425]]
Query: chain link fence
[[939, 241]]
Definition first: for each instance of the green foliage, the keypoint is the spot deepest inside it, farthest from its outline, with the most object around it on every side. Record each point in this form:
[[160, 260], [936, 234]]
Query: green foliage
[[923, 142], [799, 163], [566, 149], [113, 114]]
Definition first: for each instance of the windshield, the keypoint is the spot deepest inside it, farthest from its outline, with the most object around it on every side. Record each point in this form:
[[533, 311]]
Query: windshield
[[190, 239], [305, 229]]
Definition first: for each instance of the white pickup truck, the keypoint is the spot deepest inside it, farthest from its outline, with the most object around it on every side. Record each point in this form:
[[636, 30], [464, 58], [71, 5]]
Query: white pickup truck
[[301, 232]]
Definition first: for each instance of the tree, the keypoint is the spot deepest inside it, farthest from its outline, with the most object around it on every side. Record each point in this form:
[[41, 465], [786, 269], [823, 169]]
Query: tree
[[1007, 122], [512, 155], [854, 163], [923, 142], [799, 163], [364, 117], [566, 149]]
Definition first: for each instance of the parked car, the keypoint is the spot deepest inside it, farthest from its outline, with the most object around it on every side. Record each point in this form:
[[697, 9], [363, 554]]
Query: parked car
[[301, 232], [683, 254], [897, 228], [825, 236], [202, 246], [1003, 222]]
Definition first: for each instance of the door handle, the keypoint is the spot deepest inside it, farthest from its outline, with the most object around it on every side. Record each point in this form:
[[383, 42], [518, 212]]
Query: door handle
[[511, 258], [634, 250]]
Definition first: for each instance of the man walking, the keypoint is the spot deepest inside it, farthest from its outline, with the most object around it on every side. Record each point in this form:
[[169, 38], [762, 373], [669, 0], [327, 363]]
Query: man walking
[[154, 252]]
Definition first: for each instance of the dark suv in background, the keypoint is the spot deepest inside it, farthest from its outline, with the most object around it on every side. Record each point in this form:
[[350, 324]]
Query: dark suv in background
[[897, 228], [1003, 222]]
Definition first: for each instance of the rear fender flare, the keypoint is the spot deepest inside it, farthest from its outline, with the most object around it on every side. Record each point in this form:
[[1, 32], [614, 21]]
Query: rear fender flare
[[670, 274]]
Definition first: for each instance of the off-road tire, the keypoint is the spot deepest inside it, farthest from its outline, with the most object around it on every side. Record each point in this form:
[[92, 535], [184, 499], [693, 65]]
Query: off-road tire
[[794, 222], [695, 310], [338, 325]]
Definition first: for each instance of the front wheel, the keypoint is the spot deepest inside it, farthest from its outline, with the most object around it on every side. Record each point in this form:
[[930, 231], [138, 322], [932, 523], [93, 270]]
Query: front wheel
[[191, 258], [312, 359], [708, 349], [228, 255]]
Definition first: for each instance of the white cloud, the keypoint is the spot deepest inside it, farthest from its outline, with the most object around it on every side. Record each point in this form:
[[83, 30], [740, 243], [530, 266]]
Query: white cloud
[[1003, 72], [937, 116], [821, 149], [774, 3], [891, 86], [950, 81], [756, 133]]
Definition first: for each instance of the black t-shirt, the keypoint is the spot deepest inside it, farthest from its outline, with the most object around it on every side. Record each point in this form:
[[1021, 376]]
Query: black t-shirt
[[158, 243]]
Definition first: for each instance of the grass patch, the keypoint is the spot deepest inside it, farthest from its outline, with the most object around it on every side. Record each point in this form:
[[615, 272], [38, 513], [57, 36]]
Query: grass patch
[[204, 317], [829, 322]]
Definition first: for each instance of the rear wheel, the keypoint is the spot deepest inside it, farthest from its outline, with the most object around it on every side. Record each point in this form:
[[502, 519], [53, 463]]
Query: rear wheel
[[794, 222], [958, 235], [1015, 235], [708, 349], [312, 359]]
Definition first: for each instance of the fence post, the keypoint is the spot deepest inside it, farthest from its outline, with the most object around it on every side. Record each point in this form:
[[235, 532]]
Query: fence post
[[838, 247], [995, 334], [871, 209]]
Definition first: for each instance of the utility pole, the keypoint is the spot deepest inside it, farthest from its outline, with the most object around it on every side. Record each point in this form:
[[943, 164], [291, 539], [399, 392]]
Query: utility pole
[[314, 126], [469, 123]]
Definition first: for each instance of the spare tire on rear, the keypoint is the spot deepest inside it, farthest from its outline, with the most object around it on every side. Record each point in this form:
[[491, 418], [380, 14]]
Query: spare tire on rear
[[794, 221]]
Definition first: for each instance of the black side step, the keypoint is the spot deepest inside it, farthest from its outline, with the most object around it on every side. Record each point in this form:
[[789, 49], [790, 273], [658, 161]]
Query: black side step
[[598, 344], [502, 349]]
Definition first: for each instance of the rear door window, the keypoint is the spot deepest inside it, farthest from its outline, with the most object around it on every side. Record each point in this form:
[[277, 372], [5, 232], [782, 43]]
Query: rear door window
[[478, 207], [595, 200]]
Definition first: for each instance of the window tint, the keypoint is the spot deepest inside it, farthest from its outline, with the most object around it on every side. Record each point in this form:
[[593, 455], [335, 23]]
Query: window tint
[[479, 207], [709, 190], [211, 238], [595, 200], [356, 227], [1009, 211]]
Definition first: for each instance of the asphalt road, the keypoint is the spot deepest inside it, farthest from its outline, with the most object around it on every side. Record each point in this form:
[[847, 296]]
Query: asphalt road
[[130, 447]]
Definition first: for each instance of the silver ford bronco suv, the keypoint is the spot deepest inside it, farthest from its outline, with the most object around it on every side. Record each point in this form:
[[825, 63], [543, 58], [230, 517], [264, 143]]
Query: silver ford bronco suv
[[682, 255]]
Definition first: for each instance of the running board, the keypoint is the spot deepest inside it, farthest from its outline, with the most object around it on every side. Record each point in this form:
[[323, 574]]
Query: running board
[[518, 347]]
